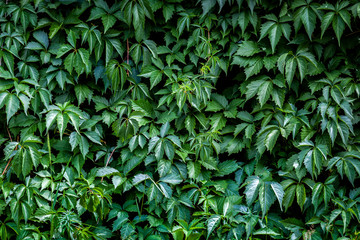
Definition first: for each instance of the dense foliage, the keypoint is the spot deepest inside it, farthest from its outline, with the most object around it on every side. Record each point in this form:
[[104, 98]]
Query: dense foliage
[[174, 119]]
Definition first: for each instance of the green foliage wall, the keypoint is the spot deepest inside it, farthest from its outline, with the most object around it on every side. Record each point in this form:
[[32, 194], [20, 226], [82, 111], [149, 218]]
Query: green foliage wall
[[174, 119]]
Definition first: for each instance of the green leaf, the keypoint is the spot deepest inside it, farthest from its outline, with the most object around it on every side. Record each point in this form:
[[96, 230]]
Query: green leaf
[[164, 129], [326, 21], [290, 70], [308, 19], [248, 49], [108, 21], [139, 178], [12, 106], [300, 195], [62, 121], [278, 191], [120, 221], [65, 48], [127, 230], [226, 168], [131, 164], [274, 36], [289, 196], [83, 92], [61, 78], [266, 231], [93, 136], [264, 92], [169, 150], [217, 121], [172, 179], [168, 11], [118, 180], [266, 197], [254, 68], [69, 62], [151, 45], [42, 38], [84, 146], [271, 139], [74, 140], [252, 189], [212, 223], [106, 171]]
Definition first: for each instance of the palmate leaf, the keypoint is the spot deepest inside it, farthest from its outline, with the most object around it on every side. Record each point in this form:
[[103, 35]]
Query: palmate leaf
[[25, 159], [83, 92], [117, 73], [275, 28], [322, 193], [337, 16], [313, 157], [306, 14], [288, 63], [348, 164], [154, 74], [262, 87], [266, 192]]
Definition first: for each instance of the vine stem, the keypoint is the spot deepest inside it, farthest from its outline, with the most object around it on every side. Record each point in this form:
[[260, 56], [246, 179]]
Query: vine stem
[[8, 164], [107, 162], [50, 164], [352, 33], [127, 55], [9, 134]]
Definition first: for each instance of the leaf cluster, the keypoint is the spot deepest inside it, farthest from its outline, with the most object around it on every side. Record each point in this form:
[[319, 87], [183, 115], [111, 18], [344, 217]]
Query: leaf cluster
[[185, 120]]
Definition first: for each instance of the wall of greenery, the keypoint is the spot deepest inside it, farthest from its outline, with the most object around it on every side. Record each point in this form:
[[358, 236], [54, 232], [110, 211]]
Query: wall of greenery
[[174, 119]]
